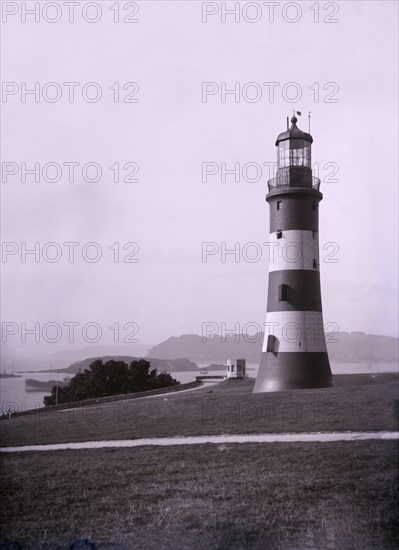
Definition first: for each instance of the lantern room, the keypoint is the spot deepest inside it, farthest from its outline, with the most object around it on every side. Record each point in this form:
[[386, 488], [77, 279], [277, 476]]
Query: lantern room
[[294, 159], [294, 147], [294, 152]]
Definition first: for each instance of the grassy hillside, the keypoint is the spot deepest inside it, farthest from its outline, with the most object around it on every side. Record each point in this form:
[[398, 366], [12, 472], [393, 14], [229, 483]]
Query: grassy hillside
[[229, 407], [268, 496], [334, 496]]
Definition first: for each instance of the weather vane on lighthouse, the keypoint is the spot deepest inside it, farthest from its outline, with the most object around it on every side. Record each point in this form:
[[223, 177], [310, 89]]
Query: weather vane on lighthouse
[[294, 353]]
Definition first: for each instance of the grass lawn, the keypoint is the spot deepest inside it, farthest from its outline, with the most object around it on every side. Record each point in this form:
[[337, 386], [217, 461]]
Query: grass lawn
[[255, 496], [227, 408], [277, 496]]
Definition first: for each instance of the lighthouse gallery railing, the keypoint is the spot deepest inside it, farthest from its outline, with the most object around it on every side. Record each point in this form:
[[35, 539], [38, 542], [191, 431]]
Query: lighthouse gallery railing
[[286, 181]]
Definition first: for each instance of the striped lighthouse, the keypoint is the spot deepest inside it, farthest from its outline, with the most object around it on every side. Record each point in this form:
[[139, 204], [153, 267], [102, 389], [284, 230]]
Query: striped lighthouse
[[294, 353]]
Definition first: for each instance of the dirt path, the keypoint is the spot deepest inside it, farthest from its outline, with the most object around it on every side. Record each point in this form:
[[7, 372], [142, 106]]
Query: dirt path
[[316, 437]]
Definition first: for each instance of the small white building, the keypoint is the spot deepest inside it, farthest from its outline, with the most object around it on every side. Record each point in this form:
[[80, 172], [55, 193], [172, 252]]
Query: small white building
[[235, 368]]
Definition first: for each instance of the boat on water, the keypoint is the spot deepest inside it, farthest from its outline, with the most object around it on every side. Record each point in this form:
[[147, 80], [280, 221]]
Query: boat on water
[[39, 385], [31, 384], [42, 385]]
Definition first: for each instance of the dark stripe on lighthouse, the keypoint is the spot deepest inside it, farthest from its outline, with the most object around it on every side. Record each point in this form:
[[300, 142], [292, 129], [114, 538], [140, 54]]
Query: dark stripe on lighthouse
[[287, 371], [294, 210], [303, 292]]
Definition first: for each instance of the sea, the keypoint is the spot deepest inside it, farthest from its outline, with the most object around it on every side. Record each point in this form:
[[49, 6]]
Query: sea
[[15, 397]]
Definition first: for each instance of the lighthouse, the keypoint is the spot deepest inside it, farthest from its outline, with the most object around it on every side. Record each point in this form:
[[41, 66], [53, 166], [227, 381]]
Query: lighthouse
[[294, 353]]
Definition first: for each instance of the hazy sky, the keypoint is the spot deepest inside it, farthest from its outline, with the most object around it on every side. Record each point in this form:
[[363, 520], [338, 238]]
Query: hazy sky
[[169, 133]]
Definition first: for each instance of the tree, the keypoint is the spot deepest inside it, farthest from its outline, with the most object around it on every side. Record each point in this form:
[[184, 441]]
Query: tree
[[110, 378]]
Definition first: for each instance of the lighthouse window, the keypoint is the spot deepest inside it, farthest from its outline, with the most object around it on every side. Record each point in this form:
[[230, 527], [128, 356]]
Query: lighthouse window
[[279, 234], [283, 293], [295, 152], [271, 343], [279, 205], [315, 206], [296, 157], [315, 264]]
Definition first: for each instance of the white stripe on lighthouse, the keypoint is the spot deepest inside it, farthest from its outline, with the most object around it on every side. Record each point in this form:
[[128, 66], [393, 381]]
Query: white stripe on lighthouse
[[293, 249], [295, 331]]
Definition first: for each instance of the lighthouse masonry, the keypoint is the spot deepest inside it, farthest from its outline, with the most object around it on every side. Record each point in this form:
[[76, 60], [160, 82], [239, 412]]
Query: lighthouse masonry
[[294, 353]]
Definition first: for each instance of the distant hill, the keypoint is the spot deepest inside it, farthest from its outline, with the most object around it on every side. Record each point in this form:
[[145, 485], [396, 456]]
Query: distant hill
[[27, 360], [168, 365], [74, 354], [354, 347]]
